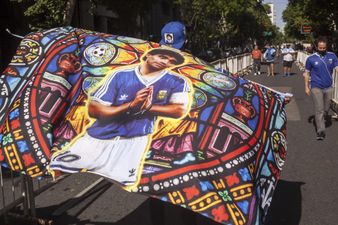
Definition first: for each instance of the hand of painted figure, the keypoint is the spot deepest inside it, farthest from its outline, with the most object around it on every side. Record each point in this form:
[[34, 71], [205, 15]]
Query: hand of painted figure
[[140, 98], [149, 100]]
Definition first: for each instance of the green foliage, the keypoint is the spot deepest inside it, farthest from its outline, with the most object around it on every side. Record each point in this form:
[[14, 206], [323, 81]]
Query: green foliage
[[322, 16], [234, 22], [278, 37], [230, 22], [295, 17], [43, 14], [128, 10]]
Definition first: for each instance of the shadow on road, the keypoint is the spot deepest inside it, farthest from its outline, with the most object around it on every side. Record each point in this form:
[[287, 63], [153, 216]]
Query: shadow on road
[[150, 212], [67, 212], [328, 121], [286, 204], [162, 213], [285, 210]]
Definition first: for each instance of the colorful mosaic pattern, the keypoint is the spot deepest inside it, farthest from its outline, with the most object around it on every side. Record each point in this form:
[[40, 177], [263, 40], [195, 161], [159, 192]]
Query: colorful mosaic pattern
[[222, 160]]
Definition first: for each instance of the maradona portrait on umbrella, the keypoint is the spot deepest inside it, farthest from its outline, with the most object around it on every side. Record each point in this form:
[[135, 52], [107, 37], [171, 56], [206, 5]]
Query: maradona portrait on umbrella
[[125, 108]]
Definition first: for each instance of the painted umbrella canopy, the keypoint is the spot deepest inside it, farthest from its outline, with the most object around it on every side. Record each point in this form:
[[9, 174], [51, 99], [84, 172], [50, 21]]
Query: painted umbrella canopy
[[153, 119]]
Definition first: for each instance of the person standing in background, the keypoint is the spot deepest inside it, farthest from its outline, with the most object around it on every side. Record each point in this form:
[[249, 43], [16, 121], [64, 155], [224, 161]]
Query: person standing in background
[[174, 35], [288, 57], [269, 57], [256, 55]]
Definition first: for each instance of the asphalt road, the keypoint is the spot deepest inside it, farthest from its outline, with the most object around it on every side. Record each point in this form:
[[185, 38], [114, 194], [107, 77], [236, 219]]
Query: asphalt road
[[307, 191], [305, 195]]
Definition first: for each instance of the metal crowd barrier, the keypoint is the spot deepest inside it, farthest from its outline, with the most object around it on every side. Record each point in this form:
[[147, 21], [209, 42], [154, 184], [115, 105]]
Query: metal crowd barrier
[[301, 59], [334, 105], [17, 195], [234, 64]]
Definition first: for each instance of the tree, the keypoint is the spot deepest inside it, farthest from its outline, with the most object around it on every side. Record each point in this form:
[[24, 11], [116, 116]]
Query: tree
[[233, 22], [322, 17], [128, 12], [43, 14]]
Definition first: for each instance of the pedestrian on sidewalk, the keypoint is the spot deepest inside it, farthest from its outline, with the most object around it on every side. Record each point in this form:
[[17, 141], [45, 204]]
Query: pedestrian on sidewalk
[[288, 54], [318, 82], [256, 55], [177, 32], [173, 34], [269, 57]]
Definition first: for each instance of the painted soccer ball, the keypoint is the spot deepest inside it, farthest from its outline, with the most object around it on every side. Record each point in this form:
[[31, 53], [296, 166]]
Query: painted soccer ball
[[99, 54], [99, 51]]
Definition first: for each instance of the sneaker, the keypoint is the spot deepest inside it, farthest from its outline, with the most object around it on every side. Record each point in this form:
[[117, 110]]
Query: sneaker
[[255, 74], [327, 117], [321, 136], [327, 120], [259, 72]]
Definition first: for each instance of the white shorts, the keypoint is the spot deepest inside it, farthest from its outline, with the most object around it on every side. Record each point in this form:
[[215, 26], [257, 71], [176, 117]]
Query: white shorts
[[118, 159]]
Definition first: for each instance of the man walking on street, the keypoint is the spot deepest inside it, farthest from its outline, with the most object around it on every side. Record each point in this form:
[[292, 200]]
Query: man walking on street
[[288, 57], [318, 82], [256, 56]]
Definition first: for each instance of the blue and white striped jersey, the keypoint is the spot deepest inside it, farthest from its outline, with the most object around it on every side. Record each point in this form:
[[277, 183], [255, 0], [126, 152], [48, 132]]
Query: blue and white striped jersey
[[321, 69], [121, 87]]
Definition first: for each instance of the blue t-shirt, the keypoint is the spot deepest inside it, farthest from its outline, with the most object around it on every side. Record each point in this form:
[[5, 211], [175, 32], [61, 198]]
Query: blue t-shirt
[[321, 69], [121, 87], [270, 54]]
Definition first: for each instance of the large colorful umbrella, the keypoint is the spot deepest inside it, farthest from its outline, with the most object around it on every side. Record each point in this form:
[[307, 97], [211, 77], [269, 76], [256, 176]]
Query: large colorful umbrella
[[219, 151]]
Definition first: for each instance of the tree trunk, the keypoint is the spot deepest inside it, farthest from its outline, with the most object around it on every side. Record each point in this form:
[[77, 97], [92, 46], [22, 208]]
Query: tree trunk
[[69, 12]]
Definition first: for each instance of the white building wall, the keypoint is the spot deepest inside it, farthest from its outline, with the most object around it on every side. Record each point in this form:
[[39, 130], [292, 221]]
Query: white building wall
[[272, 14]]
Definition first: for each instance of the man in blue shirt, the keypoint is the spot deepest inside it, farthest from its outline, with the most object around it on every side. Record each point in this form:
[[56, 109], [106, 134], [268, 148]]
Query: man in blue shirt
[[126, 107], [318, 82]]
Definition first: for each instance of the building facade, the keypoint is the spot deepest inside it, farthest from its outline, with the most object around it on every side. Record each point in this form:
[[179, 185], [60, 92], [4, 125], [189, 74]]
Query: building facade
[[272, 14], [107, 17]]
